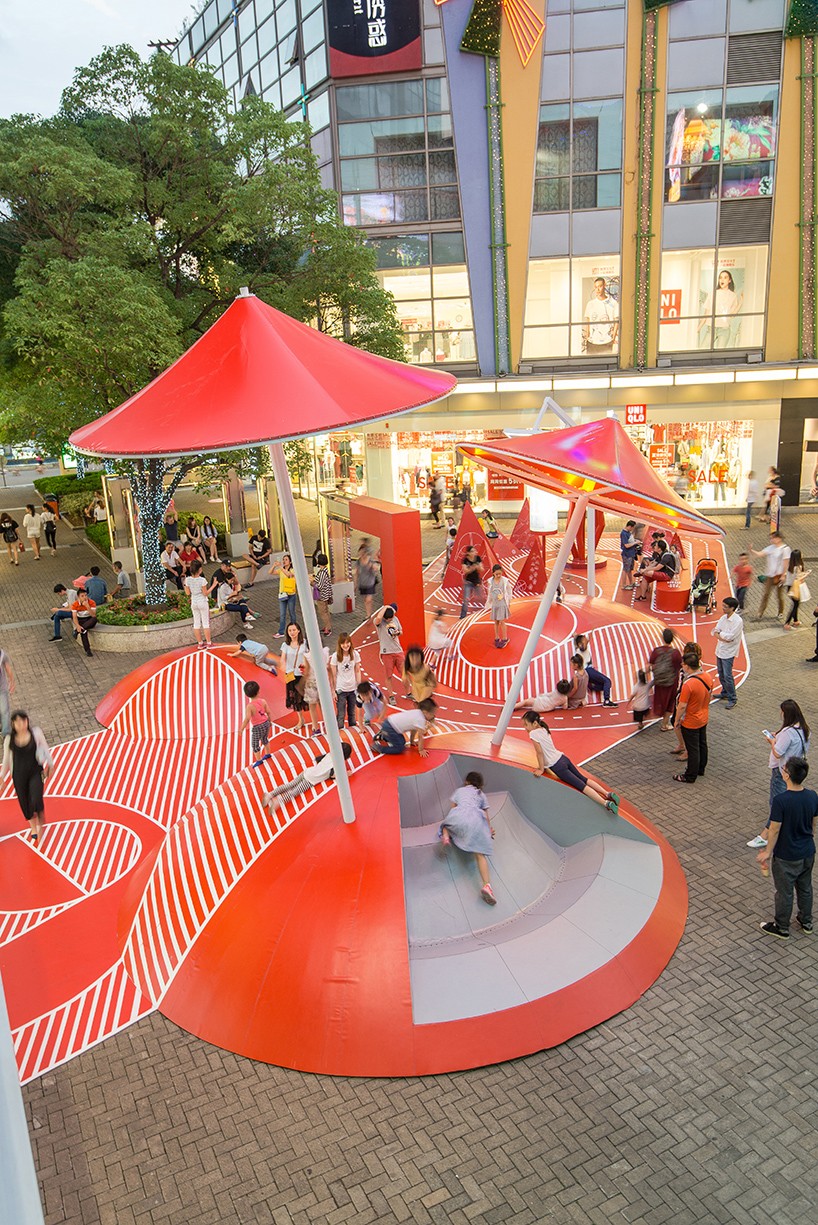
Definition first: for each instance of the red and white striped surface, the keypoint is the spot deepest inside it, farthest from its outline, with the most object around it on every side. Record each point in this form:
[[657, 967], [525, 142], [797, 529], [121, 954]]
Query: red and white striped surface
[[102, 1009], [195, 697], [208, 851]]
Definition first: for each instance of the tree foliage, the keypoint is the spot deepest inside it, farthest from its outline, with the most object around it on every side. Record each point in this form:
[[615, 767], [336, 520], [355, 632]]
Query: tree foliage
[[129, 222]]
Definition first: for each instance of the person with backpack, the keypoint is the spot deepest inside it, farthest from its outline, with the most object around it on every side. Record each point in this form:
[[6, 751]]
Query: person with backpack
[[664, 664], [661, 568], [692, 715]]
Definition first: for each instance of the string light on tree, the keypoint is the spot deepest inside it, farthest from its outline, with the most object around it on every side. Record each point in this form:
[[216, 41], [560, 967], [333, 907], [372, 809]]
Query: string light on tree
[[802, 20], [482, 33]]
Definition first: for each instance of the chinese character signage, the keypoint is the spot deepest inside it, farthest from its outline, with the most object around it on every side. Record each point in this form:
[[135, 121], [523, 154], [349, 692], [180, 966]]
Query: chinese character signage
[[661, 455], [501, 488], [636, 414], [368, 36]]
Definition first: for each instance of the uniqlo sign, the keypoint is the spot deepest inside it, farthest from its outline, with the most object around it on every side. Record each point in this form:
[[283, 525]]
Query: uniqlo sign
[[636, 414], [367, 36]]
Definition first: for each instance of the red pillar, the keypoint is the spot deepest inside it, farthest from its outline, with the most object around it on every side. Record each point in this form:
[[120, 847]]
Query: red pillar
[[398, 529]]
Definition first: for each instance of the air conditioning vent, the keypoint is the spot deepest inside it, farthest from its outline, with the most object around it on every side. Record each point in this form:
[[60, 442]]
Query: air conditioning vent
[[745, 221], [754, 57]]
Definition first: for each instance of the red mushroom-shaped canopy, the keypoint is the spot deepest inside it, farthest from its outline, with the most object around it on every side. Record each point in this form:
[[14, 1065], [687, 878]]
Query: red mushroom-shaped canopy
[[258, 376], [597, 459]]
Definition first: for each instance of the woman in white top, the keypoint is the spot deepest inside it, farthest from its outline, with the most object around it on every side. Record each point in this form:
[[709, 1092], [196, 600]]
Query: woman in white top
[[210, 537], [791, 740], [198, 590], [33, 526], [727, 305], [345, 670], [550, 758]]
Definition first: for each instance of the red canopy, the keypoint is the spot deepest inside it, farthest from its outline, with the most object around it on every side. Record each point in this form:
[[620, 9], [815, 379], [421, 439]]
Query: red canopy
[[258, 376], [600, 459]]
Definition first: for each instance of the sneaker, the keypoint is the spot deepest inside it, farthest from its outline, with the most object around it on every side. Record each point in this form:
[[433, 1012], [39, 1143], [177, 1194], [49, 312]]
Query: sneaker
[[487, 894], [612, 807], [805, 927], [609, 703], [772, 929], [731, 705], [757, 843], [55, 639], [813, 659]]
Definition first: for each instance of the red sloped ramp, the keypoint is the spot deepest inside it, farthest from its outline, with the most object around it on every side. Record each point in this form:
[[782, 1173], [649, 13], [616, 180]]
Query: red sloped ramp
[[523, 540]]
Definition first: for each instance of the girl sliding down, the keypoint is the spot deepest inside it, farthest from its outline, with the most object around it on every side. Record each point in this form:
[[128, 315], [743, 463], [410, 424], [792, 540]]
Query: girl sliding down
[[469, 828]]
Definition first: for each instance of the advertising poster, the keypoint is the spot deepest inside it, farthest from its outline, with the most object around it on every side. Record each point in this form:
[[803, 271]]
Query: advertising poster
[[369, 36], [722, 305], [502, 488], [600, 310]]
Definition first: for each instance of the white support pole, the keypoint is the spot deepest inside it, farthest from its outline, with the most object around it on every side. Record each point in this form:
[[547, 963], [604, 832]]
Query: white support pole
[[19, 1192], [542, 616], [590, 551], [313, 631]]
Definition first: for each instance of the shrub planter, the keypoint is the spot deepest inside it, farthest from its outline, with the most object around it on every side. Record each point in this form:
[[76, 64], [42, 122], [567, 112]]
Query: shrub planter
[[157, 638]]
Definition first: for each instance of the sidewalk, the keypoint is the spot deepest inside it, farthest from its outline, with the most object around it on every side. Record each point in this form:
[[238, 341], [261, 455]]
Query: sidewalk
[[694, 1106]]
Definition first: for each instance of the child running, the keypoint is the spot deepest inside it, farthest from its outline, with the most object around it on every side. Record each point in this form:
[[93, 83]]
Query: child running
[[469, 827], [640, 699], [438, 640], [550, 758], [321, 772], [258, 716]]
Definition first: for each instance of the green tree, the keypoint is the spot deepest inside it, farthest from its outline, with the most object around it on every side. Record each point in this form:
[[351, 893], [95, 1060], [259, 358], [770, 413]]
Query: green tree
[[129, 222]]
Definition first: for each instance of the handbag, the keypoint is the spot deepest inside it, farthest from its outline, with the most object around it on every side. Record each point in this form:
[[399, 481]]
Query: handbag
[[300, 686], [21, 546], [803, 591]]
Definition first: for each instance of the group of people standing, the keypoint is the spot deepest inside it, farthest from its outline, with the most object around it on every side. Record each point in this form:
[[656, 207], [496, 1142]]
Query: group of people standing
[[36, 523]]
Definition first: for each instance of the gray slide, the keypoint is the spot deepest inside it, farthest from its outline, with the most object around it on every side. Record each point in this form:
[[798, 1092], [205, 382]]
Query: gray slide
[[574, 886]]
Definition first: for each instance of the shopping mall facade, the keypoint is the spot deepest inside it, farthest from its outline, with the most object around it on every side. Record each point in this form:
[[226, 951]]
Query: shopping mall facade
[[608, 201]]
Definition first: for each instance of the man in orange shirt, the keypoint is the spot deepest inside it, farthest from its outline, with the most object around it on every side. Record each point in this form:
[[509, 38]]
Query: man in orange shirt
[[83, 614], [692, 715]]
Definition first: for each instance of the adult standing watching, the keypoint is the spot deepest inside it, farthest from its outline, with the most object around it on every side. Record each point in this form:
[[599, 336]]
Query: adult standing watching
[[664, 665], [692, 715], [728, 631], [628, 548], [322, 591], [776, 564], [472, 568], [33, 526], [791, 847]]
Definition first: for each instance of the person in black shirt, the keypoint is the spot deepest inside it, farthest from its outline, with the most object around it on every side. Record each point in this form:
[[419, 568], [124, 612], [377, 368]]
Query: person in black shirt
[[472, 567], [791, 845], [259, 555]]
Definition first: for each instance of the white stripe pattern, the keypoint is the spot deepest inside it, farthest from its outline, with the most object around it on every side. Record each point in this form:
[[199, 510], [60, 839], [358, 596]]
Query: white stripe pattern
[[207, 852]]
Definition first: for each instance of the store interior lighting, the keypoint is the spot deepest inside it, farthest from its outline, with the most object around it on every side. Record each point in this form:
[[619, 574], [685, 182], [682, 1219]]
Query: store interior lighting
[[763, 376], [581, 384], [705, 376]]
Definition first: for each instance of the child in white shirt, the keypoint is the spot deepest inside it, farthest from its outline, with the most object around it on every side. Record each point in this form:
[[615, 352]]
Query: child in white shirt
[[640, 698]]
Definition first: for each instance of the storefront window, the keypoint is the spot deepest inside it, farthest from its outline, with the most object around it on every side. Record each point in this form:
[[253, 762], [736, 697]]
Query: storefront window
[[424, 455], [572, 308], [709, 132], [582, 143], [713, 300], [400, 168], [706, 462], [432, 298]]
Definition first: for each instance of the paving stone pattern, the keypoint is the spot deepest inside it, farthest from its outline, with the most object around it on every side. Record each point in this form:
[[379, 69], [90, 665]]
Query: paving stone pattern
[[697, 1105]]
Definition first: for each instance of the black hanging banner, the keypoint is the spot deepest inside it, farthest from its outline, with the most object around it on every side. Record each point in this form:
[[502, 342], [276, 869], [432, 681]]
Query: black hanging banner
[[369, 36]]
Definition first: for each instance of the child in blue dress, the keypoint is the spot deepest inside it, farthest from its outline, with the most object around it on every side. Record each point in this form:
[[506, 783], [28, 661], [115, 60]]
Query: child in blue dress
[[469, 827]]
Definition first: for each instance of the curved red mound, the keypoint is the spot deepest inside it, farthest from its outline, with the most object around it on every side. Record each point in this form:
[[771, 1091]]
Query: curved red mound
[[296, 944]]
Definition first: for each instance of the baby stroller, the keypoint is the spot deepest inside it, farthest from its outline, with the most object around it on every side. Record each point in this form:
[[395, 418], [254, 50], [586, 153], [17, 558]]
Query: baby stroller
[[703, 587]]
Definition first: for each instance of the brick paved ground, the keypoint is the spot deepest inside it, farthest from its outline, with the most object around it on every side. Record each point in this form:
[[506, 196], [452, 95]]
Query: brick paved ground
[[697, 1105]]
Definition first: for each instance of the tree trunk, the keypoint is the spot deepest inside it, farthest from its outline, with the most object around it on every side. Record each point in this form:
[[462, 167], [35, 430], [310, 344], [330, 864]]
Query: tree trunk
[[153, 499]]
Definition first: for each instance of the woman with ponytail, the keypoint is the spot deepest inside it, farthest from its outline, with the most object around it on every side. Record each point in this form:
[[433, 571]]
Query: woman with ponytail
[[550, 758]]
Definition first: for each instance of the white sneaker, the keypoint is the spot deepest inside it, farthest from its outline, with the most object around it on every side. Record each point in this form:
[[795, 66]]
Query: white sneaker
[[757, 842]]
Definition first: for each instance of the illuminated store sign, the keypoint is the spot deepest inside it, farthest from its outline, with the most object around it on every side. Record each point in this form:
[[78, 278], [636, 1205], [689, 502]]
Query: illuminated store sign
[[369, 36]]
